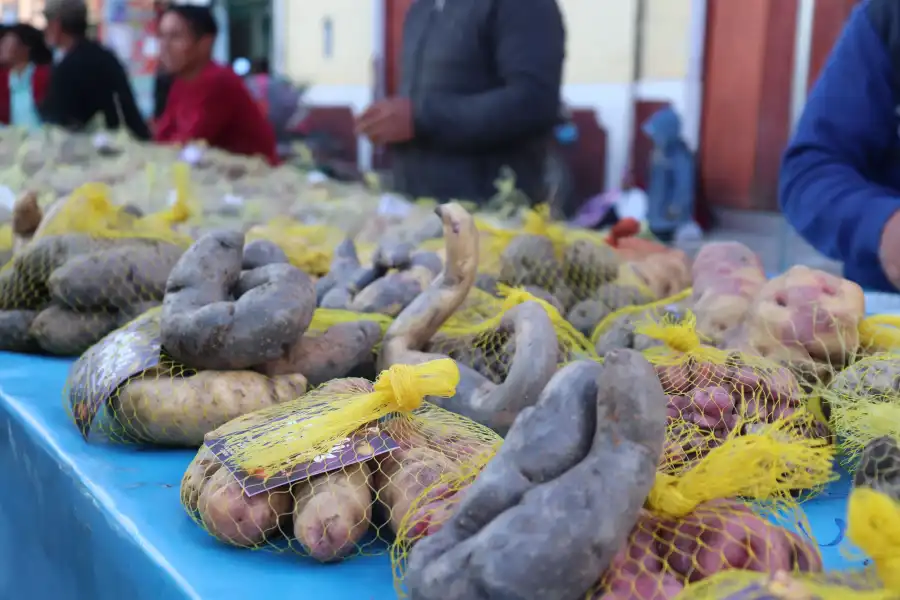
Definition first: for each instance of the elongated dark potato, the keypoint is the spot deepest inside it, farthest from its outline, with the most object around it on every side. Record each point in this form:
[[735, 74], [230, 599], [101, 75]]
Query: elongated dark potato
[[536, 347], [557, 502]]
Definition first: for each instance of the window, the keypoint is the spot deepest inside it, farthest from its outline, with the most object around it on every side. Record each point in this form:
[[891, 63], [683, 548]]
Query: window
[[327, 37]]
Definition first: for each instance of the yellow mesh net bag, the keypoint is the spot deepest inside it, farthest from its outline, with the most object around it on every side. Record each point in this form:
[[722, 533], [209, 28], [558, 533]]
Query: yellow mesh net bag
[[308, 247], [333, 473], [227, 340], [862, 403], [486, 335], [715, 394], [695, 523], [873, 527], [90, 267], [539, 252], [616, 328]]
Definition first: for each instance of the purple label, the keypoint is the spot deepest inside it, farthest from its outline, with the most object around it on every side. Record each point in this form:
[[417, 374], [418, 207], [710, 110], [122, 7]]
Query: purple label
[[109, 363], [359, 447]]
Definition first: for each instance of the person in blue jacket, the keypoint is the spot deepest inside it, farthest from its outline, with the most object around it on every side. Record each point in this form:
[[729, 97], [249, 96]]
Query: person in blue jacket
[[840, 175]]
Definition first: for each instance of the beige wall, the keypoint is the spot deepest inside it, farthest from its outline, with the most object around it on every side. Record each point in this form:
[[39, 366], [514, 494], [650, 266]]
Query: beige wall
[[666, 39], [602, 33], [352, 35]]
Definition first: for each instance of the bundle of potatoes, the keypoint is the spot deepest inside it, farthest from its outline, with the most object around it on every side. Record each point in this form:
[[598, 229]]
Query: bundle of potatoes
[[873, 524], [349, 506], [235, 333], [540, 518], [61, 292]]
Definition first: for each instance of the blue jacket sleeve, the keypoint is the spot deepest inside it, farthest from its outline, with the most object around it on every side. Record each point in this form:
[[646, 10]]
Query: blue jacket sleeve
[[845, 132]]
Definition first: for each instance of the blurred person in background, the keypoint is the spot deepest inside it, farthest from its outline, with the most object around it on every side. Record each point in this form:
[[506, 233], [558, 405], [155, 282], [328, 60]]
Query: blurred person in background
[[27, 59], [479, 91], [207, 101], [88, 79], [162, 81], [840, 175]]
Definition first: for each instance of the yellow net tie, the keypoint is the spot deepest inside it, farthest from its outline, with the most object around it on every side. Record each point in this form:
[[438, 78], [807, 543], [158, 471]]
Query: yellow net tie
[[880, 331], [291, 441], [772, 463], [567, 333], [538, 222], [680, 336], [873, 524]]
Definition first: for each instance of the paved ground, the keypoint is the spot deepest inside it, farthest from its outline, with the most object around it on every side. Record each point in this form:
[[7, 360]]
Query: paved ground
[[770, 237]]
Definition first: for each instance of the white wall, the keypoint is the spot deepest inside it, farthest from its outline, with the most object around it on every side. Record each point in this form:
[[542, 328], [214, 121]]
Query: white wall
[[602, 37]]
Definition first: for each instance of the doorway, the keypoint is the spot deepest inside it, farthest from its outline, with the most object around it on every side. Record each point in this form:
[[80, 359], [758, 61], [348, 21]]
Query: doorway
[[249, 30]]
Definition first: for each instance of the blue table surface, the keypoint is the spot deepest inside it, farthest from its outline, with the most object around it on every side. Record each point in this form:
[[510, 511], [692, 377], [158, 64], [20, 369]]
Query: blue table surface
[[98, 521]]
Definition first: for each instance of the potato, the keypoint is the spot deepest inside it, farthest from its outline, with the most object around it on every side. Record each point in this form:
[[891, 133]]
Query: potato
[[541, 520], [333, 511], [116, 278], [530, 260], [235, 518], [335, 353], [390, 294], [15, 335], [587, 265], [403, 475], [806, 315], [64, 332], [216, 317], [727, 277], [202, 467], [165, 409], [260, 253], [663, 275]]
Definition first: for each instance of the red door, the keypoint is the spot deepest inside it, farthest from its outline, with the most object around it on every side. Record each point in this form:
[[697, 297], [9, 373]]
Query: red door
[[746, 101]]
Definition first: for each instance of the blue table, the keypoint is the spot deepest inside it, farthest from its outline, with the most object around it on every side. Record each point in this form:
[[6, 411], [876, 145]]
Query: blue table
[[100, 522]]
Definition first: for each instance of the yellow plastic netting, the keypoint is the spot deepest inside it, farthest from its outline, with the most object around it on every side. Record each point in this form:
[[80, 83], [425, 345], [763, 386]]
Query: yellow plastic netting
[[308, 247], [328, 514], [714, 394], [485, 334], [692, 525], [617, 328], [862, 402], [873, 518], [91, 266]]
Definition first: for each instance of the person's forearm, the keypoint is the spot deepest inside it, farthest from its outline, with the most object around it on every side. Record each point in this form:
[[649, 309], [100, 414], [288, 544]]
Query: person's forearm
[[832, 206], [495, 118]]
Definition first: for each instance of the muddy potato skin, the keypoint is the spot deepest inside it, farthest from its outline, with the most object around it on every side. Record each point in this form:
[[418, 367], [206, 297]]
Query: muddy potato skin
[[64, 332], [217, 317], [335, 353], [178, 411], [333, 511], [116, 278], [14, 331], [237, 519]]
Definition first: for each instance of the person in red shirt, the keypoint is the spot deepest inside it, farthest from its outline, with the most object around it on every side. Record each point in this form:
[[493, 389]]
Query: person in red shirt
[[26, 61], [207, 101]]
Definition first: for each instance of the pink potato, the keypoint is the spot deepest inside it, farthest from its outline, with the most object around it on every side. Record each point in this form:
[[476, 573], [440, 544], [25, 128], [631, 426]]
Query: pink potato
[[333, 511], [235, 518], [726, 277], [638, 572], [806, 315], [724, 534]]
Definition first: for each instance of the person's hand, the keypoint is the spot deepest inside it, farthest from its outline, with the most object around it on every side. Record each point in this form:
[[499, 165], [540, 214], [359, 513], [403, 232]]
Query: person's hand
[[387, 121], [889, 250]]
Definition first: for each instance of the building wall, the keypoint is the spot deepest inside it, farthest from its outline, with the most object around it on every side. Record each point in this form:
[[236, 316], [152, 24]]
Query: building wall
[[340, 69], [604, 40], [599, 72]]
